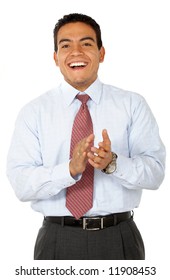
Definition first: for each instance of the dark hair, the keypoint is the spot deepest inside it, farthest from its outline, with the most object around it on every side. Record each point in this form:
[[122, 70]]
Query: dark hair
[[75, 17]]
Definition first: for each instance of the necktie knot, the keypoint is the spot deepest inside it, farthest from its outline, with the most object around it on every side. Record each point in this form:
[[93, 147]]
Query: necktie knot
[[83, 98]]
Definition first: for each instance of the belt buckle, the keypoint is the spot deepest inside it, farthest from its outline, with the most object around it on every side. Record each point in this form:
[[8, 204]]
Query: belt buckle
[[85, 223]]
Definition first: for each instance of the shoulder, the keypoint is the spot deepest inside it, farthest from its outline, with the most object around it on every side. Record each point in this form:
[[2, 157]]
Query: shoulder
[[38, 106], [125, 100], [44, 100], [121, 93]]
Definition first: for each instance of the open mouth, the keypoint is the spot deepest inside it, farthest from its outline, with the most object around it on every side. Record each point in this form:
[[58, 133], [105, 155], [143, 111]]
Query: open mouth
[[77, 65]]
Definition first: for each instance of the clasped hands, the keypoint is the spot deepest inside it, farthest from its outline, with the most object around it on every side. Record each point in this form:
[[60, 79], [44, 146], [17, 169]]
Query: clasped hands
[[84, 152]]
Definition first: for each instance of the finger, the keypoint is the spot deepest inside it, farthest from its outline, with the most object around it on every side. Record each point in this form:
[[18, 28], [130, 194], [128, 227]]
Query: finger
[[95, 150], [95, 159], [94, 164], [90, 156], [105, 136], [90, 138], [85, 144], [99, 152], [106, 144]]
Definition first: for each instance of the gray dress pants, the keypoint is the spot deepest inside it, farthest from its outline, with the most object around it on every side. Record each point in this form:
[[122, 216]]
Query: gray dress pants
[[120, 242]]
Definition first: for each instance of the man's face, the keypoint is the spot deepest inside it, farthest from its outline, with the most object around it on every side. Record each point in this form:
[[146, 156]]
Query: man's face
[[78, 56]]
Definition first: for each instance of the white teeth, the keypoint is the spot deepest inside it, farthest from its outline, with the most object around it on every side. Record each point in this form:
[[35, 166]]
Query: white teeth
[[77, 64]]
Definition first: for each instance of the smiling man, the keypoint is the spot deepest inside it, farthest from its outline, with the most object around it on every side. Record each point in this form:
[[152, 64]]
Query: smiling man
[[78, 54], [83, 153]]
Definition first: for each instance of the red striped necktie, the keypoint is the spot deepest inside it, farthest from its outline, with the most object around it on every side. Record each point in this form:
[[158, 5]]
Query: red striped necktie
[[79, 197]]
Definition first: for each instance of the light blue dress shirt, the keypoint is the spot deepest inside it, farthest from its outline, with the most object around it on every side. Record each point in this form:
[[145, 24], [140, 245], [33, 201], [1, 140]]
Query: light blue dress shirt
[[38, 159]]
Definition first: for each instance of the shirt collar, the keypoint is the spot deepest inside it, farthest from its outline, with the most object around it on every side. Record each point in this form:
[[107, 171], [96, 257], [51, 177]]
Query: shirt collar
[[95, 91], [69, 93]]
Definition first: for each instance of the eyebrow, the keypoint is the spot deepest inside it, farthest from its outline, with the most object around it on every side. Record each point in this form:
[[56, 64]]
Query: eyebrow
[[81, 40], [87, 38]]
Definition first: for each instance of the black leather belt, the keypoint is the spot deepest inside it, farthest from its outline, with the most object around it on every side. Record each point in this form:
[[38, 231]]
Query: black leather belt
[[91, 223]]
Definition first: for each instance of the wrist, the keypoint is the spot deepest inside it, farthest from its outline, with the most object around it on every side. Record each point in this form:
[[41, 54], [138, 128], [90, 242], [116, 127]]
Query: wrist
[[111, 167], [73, 172]]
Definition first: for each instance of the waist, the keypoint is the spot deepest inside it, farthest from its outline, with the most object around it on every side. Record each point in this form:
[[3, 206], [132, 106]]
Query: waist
[[91, 223]]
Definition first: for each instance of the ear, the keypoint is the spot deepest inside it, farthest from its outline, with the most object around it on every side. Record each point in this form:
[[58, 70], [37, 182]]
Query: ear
[[102, 54], [55, 58]]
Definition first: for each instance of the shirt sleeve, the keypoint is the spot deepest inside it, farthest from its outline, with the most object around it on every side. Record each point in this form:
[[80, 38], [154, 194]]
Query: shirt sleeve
[[145, 166], [30, 179]]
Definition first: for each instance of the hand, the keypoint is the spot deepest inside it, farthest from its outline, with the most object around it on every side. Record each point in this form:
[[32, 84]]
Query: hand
[[100, 157], [79, 157]]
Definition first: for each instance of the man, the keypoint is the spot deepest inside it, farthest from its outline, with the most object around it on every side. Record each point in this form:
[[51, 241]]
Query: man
[[86, 189]]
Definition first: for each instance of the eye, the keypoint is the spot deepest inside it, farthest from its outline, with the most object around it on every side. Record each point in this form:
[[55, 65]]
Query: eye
[[87, 44], [65, 46]]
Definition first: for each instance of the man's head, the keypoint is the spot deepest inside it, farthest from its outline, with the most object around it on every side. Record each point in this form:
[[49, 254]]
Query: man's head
[[78, 49], [75, 17]]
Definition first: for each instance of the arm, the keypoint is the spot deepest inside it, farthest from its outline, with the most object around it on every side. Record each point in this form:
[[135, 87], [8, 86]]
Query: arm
[[144, 168], [29, 177]]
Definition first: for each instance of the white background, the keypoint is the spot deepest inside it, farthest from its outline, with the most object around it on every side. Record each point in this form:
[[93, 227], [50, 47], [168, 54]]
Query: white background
[[136, 38]]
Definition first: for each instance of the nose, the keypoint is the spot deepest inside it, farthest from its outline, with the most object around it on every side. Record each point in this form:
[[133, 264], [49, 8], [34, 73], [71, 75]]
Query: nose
[[77, 49]]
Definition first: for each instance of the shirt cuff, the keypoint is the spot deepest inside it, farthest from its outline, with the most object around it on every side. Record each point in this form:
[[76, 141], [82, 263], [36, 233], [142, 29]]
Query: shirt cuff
[[123, 168], [62, 177]]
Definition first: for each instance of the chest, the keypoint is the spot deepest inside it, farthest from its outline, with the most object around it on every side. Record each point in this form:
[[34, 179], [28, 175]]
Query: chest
[[55, 127]]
